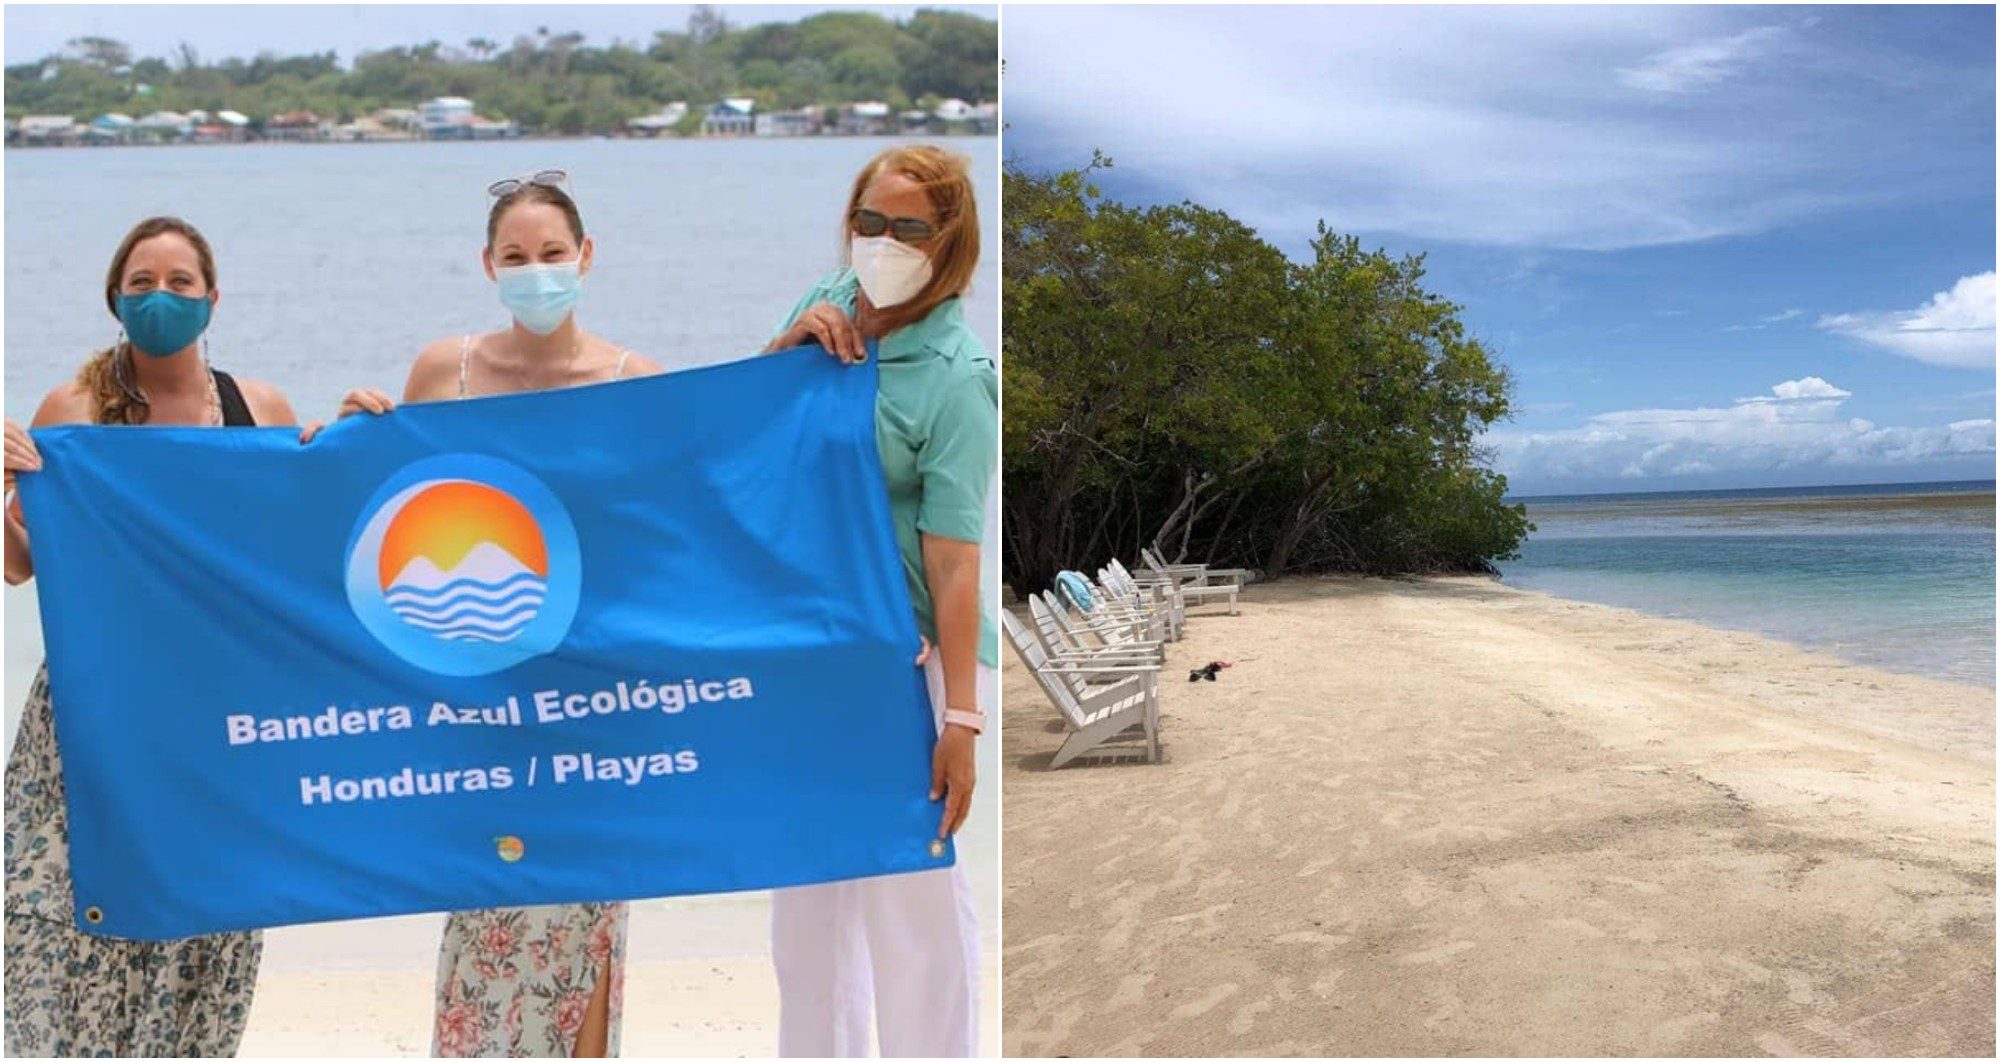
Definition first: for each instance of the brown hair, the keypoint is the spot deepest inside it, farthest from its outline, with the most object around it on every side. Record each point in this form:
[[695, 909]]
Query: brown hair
[[955, 250], [107, 375], [529, 192]]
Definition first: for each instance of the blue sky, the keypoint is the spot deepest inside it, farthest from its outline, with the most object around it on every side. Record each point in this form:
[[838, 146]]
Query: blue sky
[[222, 31], [1717, 247]]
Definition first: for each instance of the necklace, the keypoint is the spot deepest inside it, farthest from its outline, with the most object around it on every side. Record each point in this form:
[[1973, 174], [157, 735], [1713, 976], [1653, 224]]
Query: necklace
[[214, 393], [212, 397]]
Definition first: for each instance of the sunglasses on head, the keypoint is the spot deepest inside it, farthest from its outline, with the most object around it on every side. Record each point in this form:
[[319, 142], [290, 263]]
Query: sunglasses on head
[[872, 223], [550, 178]]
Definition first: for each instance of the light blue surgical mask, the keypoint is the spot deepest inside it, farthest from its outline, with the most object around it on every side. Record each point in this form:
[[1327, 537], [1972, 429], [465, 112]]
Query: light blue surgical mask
[[540, 296], [161, 323]]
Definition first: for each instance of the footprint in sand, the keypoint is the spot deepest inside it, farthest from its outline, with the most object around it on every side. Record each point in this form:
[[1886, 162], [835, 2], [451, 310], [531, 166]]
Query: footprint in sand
[[1437, 954], [1247, 1016], [1131, 991], [1206, 1003], [1320, 940], [1577, 925]]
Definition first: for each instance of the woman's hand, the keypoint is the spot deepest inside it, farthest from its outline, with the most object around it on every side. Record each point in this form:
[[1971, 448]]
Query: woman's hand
[[23, 457], [361, 400], [952, 776], [830, 327], [924, 654]]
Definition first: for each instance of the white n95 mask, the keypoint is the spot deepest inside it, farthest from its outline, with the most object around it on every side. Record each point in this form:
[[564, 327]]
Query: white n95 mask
[[891, 271]]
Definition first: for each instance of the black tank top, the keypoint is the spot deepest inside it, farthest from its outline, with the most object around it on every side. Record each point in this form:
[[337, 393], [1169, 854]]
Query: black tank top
[[235, 411]]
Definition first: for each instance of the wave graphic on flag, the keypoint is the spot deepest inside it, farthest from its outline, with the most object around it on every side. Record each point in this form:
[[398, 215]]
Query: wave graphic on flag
[[488, 596]]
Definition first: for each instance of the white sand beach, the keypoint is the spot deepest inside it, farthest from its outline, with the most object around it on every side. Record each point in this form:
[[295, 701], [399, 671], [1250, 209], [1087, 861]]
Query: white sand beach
[[698, 982], [1450, 817]]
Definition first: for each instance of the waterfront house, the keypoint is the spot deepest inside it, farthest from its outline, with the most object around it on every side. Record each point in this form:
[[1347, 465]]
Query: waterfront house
[[452, 118], [297, 125], [953, 112], [986, 119], [112, 128], [915, 122], [48, 129], [360, 130], [444, 112], [492, 129], [226, 127], [735, 116], [669, 119], [163, 126], [872, 118], [406, 120], [804, 121]]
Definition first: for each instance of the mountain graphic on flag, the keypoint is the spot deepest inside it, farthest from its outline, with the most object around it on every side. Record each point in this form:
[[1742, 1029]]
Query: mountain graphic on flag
[[487, 597], [465, 562]]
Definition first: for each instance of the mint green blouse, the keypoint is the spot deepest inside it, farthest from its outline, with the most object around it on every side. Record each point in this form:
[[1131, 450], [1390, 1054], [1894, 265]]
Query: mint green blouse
[[937, 427]]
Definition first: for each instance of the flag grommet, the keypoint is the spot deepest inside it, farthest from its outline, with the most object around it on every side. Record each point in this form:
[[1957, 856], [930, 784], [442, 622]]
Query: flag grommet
[[937, 848], [93, 915]]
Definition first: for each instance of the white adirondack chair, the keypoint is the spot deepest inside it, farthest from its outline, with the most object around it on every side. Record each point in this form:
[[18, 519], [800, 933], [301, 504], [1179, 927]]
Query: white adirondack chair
[[1063, 634], [1149, 586], [1113, 617], [1157, 598], [1192, 593], [1202, 574], [1102, 719]]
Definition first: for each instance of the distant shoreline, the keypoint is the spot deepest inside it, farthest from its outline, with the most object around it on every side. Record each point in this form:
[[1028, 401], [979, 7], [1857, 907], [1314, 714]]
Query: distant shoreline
[[1890, 489], [39, 148]]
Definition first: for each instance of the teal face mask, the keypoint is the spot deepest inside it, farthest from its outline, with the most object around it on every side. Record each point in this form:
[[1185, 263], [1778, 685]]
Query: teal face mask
[[540, 296], [162, 323]]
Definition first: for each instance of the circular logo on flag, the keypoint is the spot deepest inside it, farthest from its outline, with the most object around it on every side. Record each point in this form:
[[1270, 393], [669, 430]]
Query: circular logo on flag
[[464, 565]]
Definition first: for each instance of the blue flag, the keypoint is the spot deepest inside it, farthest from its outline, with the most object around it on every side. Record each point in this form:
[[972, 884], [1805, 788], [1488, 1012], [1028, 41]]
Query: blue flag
[[636, 639]]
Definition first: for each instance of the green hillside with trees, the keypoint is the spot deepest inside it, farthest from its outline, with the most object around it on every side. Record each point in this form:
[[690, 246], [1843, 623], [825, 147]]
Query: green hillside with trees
[[553, 81]]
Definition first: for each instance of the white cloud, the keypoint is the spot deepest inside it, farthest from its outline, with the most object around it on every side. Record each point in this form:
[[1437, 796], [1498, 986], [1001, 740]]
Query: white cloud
[[1767, 321], [1808, 387], [1702, 63], [1954, 329], [1798, 426], [1502, 126]]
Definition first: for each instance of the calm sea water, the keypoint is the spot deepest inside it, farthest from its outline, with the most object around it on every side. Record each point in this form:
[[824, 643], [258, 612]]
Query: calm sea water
[[1898, 576], [338, 262]]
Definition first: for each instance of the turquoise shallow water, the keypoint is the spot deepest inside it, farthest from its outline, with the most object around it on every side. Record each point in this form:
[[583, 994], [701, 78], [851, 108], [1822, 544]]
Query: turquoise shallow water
[[1898, 576]]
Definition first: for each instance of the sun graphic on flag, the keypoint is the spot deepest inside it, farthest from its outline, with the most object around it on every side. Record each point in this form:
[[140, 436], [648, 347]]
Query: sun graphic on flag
[[464, 562]]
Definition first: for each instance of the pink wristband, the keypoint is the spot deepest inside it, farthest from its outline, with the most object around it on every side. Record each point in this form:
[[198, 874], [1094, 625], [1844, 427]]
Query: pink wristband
[[974, 721]]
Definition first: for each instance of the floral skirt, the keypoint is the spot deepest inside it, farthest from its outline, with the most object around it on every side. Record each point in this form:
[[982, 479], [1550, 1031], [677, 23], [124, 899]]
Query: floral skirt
[[515, 982], [70, 993]]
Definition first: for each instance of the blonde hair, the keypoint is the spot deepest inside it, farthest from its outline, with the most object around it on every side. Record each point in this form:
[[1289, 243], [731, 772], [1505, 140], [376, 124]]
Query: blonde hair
[[107, 375], [943, 175]]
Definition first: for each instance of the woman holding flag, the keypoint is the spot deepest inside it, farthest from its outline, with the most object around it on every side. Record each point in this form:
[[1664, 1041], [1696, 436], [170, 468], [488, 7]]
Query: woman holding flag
[[68, 992], [526, 981], [908, 944]]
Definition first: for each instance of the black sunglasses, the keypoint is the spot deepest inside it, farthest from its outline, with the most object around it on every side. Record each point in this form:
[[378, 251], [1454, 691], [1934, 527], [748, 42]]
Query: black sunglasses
[[552, 178], [871, 223]]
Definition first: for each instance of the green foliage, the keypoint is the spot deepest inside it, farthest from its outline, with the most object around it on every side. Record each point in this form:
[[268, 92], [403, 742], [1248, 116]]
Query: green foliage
[[549, 82], [1172, 377]]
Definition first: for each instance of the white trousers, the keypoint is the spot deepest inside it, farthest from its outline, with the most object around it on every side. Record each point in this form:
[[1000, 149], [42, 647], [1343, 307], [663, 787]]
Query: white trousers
[[902, 949]]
